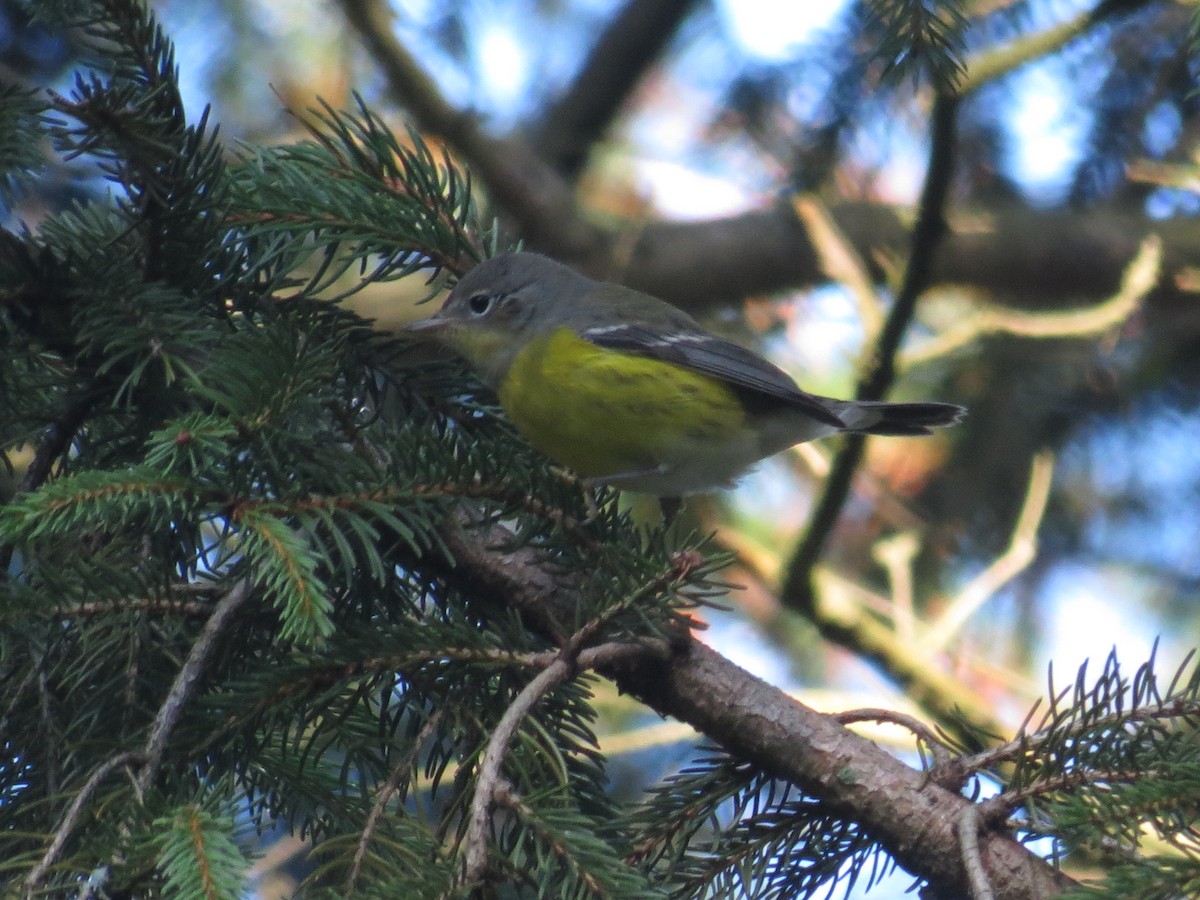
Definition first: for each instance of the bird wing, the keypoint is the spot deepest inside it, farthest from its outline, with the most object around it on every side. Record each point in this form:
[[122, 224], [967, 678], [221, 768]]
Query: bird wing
[[752, 376]]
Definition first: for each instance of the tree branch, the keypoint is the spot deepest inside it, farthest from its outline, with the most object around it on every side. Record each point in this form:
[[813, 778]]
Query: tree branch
[[1028, 258], [539, 201], [798, 588], [698, 265], [385, 794], [628, 47], [993, 64], [570, 660], [912, 817]]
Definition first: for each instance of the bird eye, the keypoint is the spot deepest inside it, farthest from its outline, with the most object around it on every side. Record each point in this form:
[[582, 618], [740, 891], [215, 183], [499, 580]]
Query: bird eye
[[480, 304]]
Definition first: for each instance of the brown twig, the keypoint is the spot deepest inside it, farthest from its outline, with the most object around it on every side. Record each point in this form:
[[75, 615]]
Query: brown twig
[[185, 681], [488, 779], [925, 734], [383, 797], [71, 819]]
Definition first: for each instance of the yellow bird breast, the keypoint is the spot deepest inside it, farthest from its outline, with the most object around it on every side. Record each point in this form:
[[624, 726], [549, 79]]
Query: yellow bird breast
[[603, 412]]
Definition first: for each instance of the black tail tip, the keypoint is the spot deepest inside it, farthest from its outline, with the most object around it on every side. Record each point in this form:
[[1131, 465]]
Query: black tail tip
[[916, 418]]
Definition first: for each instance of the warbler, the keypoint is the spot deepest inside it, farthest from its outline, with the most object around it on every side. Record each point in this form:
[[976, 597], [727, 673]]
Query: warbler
[[626, 390]]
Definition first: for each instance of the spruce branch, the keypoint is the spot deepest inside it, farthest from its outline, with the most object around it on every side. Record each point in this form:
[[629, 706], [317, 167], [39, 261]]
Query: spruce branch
[[1113, 766], [55, 442], [759, 724], [22, 124], [575, 844], [920, 37], [198, 857], [702, 265], [356, 197], [247, 433], [487, 779], [1107, 706]]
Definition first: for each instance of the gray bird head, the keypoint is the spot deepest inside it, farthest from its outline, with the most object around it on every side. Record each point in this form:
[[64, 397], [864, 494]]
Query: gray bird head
[[498, 306]]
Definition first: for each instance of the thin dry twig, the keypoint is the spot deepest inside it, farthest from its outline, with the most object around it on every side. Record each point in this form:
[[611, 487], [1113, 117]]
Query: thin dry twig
[[71, 819], [896, 555], [386, 792], [1140, 278], [1022, 550], [185, 680], [488, 780], [840, 261], [923, 732]]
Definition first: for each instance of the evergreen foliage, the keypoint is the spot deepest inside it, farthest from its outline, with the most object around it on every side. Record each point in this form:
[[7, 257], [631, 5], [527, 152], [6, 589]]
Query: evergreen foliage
[[228, 603], [919, 37], [209, 426]]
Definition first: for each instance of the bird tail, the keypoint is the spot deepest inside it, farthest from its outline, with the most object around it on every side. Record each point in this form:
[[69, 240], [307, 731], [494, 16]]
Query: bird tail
[[880, 417]]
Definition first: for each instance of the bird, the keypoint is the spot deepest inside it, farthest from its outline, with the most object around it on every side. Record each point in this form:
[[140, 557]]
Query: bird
[[629, 391]]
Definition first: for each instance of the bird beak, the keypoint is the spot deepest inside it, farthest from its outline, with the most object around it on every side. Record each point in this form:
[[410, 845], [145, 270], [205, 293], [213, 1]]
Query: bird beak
[[434, 325]]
